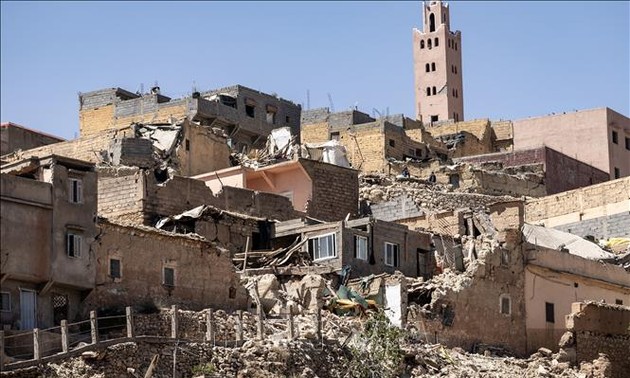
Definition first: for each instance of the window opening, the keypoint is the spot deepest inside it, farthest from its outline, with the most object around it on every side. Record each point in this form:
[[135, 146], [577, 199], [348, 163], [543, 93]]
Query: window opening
[[361, 247], [334, 135], [549, 313], [322, 247], [615, 137], [168, 277], [431, 22], [60, 307], [505, 304], [434, 118], [5, 301], [432, 66], [250, 110], [422, 44], [437, 42], [427, 67], [392, 143], [114, 268], [391, 254], [73, 244], [75, 190], [433, 90]]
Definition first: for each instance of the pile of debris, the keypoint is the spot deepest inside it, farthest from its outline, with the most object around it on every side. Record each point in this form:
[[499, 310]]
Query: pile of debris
[[430, 197]]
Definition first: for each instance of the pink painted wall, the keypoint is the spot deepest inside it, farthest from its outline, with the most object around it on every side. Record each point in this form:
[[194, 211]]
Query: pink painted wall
[[292, 179], [234, 176], [585, 135]]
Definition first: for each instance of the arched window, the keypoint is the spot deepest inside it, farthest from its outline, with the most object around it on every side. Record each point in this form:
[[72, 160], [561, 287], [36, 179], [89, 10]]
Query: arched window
[[428, 91], [433, 90], [437, 42], [422, 44], [432, 66], [426, 66], [431, 22], [429, 43]]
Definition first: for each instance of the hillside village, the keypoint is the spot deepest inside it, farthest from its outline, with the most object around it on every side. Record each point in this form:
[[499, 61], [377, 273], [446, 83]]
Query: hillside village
[[231, 233]]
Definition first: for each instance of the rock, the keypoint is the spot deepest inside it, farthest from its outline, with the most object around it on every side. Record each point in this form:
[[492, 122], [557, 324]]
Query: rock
[[545, 352]]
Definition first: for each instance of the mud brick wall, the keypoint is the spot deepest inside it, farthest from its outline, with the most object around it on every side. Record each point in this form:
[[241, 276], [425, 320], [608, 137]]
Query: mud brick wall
[[335, 190], [600, 328]]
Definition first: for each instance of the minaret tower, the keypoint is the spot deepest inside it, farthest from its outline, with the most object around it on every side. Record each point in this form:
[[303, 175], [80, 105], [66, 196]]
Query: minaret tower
[[437, 65]]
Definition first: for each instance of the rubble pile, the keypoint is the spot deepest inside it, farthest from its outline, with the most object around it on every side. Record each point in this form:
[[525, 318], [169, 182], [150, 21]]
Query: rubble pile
[[301, 358], [428, 196]]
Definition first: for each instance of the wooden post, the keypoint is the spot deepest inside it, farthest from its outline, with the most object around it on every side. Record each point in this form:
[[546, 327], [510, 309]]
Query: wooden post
[[291, 331], [1, 350], [36, 345], [94, 327], [239, 325], [210, 326], [174, 324], [318, 326], [259, 323], [129, 318], [245, 259], [64, 336]]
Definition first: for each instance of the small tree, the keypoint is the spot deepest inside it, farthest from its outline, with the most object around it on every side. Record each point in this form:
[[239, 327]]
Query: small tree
[[376, 351]]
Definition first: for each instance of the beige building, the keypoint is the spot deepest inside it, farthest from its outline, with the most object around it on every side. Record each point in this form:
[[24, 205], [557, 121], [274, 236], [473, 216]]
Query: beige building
[[48, 207], [598, 137], [437, 61], [16, 137]]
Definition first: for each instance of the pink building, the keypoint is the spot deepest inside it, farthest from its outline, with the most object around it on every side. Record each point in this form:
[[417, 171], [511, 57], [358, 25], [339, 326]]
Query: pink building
[[598, 137], [323, 191]]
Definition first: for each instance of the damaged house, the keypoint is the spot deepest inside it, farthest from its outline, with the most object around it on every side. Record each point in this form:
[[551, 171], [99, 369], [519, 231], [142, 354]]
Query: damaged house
[[246, 115], [48, 207], [366, 245], [521, 279], [323, 191]]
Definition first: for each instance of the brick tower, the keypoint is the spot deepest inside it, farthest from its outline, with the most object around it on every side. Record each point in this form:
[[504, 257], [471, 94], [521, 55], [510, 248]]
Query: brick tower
[[437, 65]]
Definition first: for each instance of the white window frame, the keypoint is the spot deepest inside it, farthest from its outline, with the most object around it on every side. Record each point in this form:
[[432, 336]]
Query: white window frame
[[75, 239], [359, 253], [390, 250], [501, 298], [119, 267], [8, 294], [75, 190], [317, 255], [164, 276]]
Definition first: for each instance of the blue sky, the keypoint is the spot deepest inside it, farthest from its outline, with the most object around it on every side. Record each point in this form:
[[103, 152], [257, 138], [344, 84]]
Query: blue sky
[[520, 59]]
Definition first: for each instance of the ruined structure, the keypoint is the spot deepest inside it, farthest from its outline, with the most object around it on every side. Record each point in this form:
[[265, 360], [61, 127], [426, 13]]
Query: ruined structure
[[437, 61], [147, 268], [15, 137], [246, 115], [323, 191], [48, 210], [367, 246]]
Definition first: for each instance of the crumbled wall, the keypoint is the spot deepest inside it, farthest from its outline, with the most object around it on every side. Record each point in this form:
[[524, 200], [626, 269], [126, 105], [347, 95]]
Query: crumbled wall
[[204, 275], [601, 328]]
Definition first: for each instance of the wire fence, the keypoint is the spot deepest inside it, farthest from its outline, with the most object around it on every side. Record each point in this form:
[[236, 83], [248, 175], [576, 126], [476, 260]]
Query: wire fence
[[27, 348]]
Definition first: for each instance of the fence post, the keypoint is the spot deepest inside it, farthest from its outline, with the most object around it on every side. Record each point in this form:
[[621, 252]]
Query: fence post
[[64, 336], [259, 323], [94, 327], [210, 326], [1, 350], [174, 324], [291, 331], [239, 325], [318, 326], [129, 318], [36, 345]]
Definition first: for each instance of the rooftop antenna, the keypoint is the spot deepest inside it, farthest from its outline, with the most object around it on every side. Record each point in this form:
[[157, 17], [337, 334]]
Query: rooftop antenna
[[308, 99], [375, 111], [195, 93], [330, 101]]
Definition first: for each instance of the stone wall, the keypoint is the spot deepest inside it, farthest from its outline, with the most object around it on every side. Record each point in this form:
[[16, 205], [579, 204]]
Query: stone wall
[[120, 192], [601, 328], [335, 190], [203, 274], [593, 202]]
